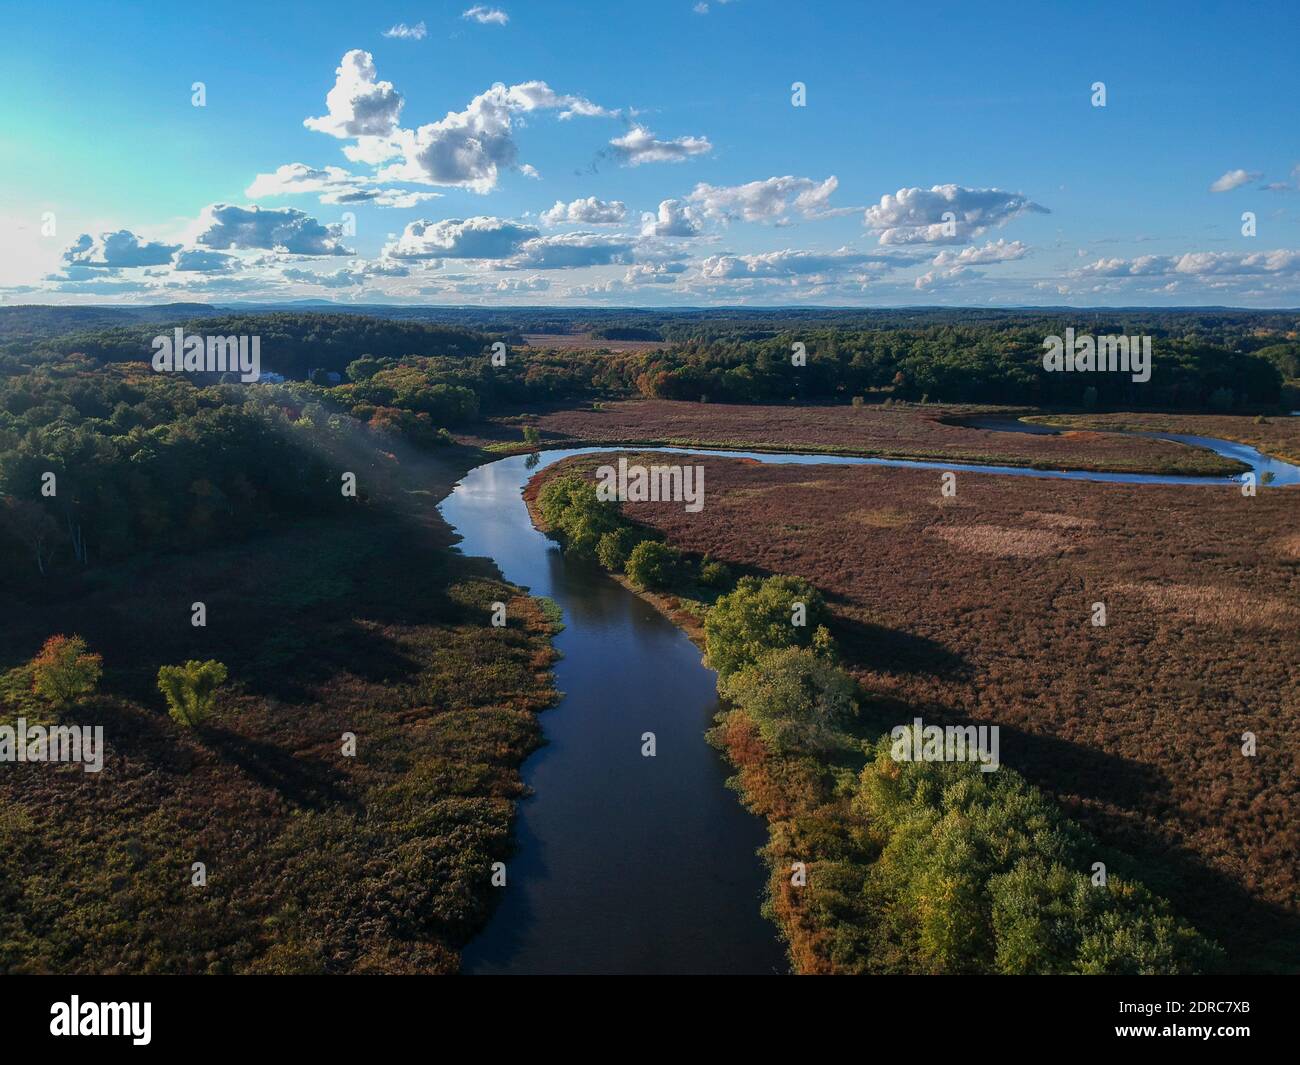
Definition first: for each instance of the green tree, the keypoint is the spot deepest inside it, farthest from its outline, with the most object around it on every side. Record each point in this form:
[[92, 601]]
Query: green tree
[[759, 616], [191, 690], [614, 547], [570, 508], [64, 672], [799, 701], [651, 564]]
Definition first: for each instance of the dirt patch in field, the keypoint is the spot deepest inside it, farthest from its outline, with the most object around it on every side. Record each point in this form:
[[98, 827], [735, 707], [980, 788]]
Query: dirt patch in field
[[1207, 605], [1001, 541]]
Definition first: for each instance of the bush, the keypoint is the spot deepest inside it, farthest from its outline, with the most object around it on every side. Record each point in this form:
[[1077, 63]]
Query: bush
[[63, 672], [799, 701], [714, 574], [191, 690], [614, 548], [758, 617], [651, 564]]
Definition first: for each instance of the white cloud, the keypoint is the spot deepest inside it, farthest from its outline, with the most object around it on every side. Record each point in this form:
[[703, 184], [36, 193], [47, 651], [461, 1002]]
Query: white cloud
[[199, 260], [487, 16], [916, 216], [358, 105], [1234, 179], [768, 200], [639, 145], [1202, 264], [589, 211], [676, 218], [222, 225], [570, 251], [408, 33], [794, 263], [503, 286], [454, 238], [119, 250], [993, 252], [654, 273], [355, 273], [468, 148], [333, 185]]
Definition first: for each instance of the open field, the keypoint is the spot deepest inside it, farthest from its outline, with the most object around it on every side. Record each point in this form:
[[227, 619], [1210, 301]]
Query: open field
[[316, 862], [907, 432], [978, 608]]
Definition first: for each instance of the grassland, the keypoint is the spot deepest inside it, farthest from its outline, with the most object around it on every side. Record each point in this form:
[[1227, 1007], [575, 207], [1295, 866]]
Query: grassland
[[899, 431], [316, 862]]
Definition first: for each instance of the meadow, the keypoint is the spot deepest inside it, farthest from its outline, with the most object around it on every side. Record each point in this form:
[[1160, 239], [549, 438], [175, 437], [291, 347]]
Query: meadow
[[979, 608]]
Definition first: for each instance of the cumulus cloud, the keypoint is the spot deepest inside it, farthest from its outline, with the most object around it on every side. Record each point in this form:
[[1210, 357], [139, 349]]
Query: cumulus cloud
[[654, 273], [333, 185], [408, 33], [916, 216], [795, 263], [1234, 179], [455, 238], [486, 16], [768, 200], [119, 250], [570, 251], [503, 286], [355, 273], [1199, 264], [468, 148], [281, 229], [639, 145], [589, 211], [202, 261], [358, 105], [993, 252], [675, 218]]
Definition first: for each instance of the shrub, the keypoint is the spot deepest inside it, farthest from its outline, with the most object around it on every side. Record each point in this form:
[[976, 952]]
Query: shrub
[[614, 547], [799, 701], [758, 617], [63, 672], [714, 574], [651, 564], [191, 690]]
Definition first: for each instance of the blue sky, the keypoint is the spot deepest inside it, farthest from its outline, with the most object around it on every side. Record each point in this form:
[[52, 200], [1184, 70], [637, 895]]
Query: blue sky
[[650, 153]]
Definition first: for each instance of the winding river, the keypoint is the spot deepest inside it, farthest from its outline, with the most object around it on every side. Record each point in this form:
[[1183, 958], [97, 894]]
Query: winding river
[[626, 863]]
